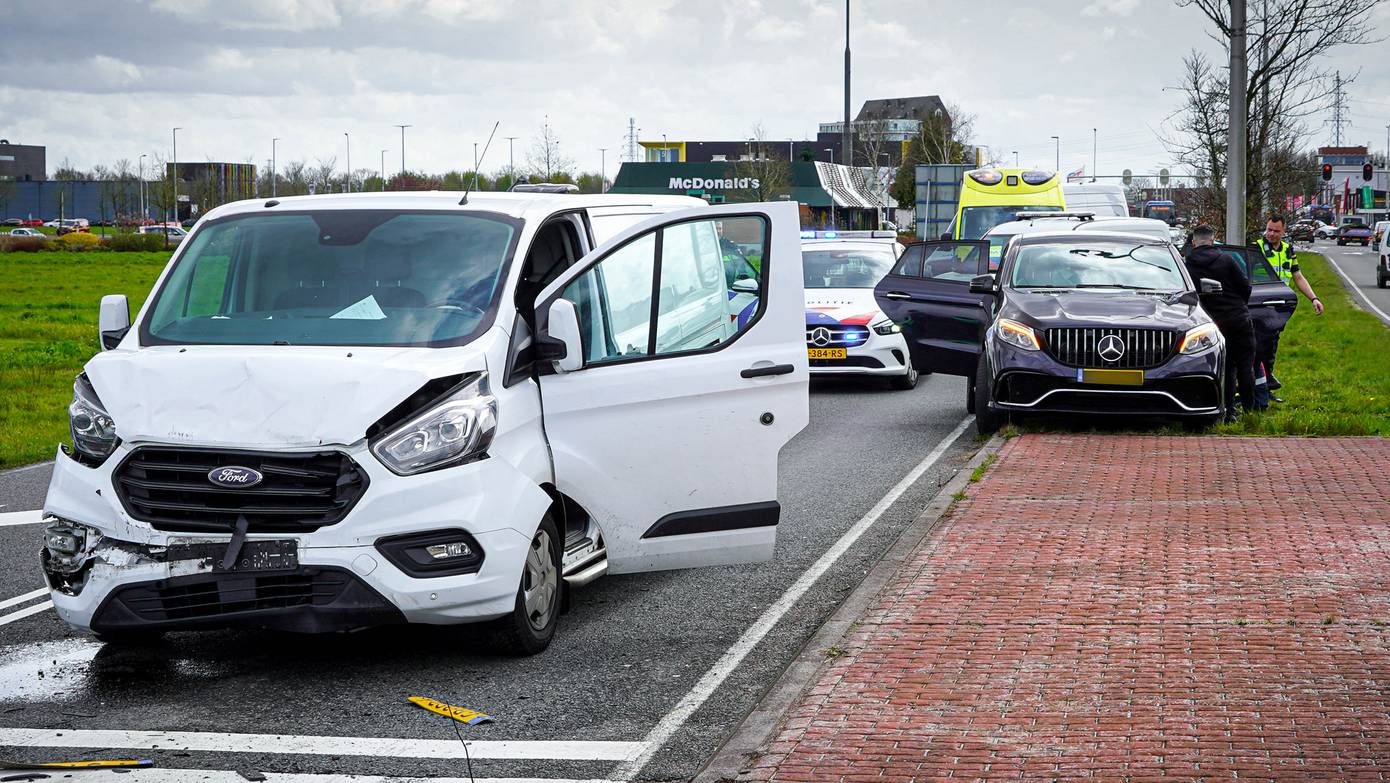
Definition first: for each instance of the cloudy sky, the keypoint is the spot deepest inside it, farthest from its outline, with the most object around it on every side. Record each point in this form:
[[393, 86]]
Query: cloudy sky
[[97, 80]]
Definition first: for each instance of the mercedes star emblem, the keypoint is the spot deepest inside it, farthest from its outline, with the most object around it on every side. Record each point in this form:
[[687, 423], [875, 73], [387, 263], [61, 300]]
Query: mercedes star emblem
[[820, 335], [1111, 348]]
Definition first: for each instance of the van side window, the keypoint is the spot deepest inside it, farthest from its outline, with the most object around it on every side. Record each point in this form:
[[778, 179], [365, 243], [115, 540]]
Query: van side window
[[555, 248], [699, 303]]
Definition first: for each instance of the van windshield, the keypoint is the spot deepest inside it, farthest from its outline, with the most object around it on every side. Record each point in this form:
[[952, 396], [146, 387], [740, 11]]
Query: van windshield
[[335, 277], [977, 221]]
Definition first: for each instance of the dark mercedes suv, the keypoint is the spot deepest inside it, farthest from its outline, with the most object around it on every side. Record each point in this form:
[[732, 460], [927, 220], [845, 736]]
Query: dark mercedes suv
[[1078, 323]]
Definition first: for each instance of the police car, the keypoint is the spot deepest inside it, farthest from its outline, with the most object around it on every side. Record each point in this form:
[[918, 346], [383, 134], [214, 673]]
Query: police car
[[846, 332]]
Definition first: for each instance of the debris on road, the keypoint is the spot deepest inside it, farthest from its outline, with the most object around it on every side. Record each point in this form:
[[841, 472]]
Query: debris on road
[[460, 714]]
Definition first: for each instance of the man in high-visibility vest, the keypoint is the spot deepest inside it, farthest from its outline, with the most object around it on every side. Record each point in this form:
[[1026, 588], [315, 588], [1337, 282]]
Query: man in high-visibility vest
[[1284, 259]]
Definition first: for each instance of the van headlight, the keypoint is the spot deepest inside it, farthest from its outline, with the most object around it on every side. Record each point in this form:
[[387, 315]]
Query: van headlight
[[454, 430], [1198, 339], [93, 431]]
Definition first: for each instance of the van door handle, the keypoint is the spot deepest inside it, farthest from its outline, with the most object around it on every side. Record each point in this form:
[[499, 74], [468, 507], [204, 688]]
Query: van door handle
[[771, 369], [896, 295]]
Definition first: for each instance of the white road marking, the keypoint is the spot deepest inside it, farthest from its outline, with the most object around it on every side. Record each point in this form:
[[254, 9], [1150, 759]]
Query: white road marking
[[733, 657], [9, 518], [387, 747], [167, 775], [6, 619], [27, 468], [19, 599], [1357, 289]]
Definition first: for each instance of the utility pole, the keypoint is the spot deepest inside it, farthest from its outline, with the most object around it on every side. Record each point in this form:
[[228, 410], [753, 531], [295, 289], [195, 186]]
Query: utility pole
[[1235, 131], [511, 158], [631, 139], [475, 166], [1339, 110], [144, 214], [347, 184], [1058, 139], [273, 176], [1015, 158], [602, 168], [847, 138], [832, 195], [175, 178], [1094, 169], [383, 170], [403, 127]]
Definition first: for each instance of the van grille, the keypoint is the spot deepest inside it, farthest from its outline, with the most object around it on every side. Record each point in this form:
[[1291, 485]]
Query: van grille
[[1080, 347], [169, 488]]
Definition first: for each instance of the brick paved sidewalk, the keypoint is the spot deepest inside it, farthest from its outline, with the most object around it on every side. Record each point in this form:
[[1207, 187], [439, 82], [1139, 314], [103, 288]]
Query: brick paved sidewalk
[[1125, 608]]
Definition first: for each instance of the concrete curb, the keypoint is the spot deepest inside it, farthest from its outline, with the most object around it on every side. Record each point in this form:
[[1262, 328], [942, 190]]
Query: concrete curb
[[764, 719]]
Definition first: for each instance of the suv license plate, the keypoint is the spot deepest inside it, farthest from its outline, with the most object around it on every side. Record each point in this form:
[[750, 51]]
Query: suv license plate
[[1111, 377]]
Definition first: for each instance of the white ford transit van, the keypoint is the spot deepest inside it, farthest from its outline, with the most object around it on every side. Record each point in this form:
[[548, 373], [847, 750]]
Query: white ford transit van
[[347, 410]]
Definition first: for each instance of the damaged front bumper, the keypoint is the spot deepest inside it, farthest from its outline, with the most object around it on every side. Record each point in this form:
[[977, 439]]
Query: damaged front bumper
[[108, 571]]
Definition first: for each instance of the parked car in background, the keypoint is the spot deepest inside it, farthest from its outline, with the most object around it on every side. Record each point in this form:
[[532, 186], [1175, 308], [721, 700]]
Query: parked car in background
[[1303, 231], [14, 222], [27, 232], [1354, 232], [1379, 236], [174, 233], [1324, 230]]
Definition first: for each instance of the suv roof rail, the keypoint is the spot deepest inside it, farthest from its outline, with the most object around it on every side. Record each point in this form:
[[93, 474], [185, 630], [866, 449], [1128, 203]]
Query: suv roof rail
[[1025, 215]]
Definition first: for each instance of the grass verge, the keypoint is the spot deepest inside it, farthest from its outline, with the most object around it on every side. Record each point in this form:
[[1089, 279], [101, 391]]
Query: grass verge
[[1332, 367], [48, 317]]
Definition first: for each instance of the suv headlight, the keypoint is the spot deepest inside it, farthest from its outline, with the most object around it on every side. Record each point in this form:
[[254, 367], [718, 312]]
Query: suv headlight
[[93, 431], [1201, 338], [456, 429], [887, 327], [1018, 335]]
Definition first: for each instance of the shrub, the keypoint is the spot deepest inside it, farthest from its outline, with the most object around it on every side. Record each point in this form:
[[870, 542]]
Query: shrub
[[22, 244], [79, 241], [135, 243]]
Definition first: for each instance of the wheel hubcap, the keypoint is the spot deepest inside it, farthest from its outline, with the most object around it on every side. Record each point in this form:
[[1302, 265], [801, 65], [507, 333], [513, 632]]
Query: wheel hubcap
[[540, 581]]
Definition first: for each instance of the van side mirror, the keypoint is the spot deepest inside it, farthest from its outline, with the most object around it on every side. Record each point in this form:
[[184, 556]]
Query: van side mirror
[[983, 284], [1208, 286], [563, 345], [114, 320]]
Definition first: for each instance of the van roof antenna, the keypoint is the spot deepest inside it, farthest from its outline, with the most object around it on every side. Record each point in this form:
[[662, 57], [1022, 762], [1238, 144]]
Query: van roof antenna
[[463, 201]]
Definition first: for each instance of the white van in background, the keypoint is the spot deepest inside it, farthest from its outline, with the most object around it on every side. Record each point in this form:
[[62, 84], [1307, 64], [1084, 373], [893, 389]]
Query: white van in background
[[1096, 197]]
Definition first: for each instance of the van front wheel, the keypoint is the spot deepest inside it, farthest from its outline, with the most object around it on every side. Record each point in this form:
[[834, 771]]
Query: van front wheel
[[531, 625]]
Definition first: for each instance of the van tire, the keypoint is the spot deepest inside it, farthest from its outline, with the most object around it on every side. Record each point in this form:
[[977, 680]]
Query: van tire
[[530, 627]]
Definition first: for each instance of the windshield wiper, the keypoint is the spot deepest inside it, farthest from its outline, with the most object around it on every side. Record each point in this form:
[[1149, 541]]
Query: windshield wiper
[[1117, 285]]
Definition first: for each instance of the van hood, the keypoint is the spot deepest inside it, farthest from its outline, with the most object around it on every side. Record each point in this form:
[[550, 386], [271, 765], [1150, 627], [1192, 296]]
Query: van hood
[[269, 397]]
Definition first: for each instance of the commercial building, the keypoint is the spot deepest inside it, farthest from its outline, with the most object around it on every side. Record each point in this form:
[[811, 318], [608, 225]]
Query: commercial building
[[22, 162], [831, 196]]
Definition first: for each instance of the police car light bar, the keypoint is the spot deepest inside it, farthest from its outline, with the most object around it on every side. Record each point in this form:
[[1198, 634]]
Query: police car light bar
[[809, 234], [1068, 215]]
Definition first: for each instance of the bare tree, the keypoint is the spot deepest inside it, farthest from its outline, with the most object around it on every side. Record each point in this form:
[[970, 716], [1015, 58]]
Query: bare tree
[[944, 137], [544, 157], [323, 176], [767, 175], [1285, 87]]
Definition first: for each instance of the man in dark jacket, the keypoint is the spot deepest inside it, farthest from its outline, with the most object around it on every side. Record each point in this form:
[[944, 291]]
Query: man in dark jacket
[[1228, 309]]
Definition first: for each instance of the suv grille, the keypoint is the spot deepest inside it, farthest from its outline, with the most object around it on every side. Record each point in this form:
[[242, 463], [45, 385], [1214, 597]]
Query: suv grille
[[169, 488], [1081, 347]]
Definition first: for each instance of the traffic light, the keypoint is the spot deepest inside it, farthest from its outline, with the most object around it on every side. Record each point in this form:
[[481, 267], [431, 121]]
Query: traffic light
[[1366, 172], [1327, 172]]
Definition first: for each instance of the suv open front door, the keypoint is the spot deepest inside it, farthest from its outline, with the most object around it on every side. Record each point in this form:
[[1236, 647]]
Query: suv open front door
[[1271, 301], [928, 294], [669, 432]]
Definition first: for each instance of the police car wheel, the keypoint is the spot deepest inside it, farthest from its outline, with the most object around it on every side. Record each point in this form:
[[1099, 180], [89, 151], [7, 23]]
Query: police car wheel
[[905, 382]]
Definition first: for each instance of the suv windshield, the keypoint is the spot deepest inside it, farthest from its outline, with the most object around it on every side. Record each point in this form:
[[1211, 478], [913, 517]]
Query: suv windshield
[[335, 277], [977, 221], [1097, 265], [860, 267]]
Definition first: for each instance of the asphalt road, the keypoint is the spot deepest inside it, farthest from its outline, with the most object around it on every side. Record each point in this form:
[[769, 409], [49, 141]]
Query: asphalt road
[[1358, 267], [631, 652]]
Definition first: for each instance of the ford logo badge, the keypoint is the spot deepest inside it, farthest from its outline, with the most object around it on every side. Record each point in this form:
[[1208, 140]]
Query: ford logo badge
[[235, 476]]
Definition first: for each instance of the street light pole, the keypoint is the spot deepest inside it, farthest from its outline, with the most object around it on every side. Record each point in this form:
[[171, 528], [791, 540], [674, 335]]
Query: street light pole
[[273, 175], [831, 150], [511, 158], [1015, 158], [1094, 137], [1235, 131], [176, 176], [143, 213], [383, 170], [403, 127], [602, 169], [664, 151], [1058, 139], [347, 184]]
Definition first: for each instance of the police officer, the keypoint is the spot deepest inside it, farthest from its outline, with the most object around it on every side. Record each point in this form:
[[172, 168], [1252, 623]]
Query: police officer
[[1284, 259], [1229, 310]]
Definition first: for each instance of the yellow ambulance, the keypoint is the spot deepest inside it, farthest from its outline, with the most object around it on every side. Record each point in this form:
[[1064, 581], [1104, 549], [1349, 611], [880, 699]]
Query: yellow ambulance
[[989, 197]]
